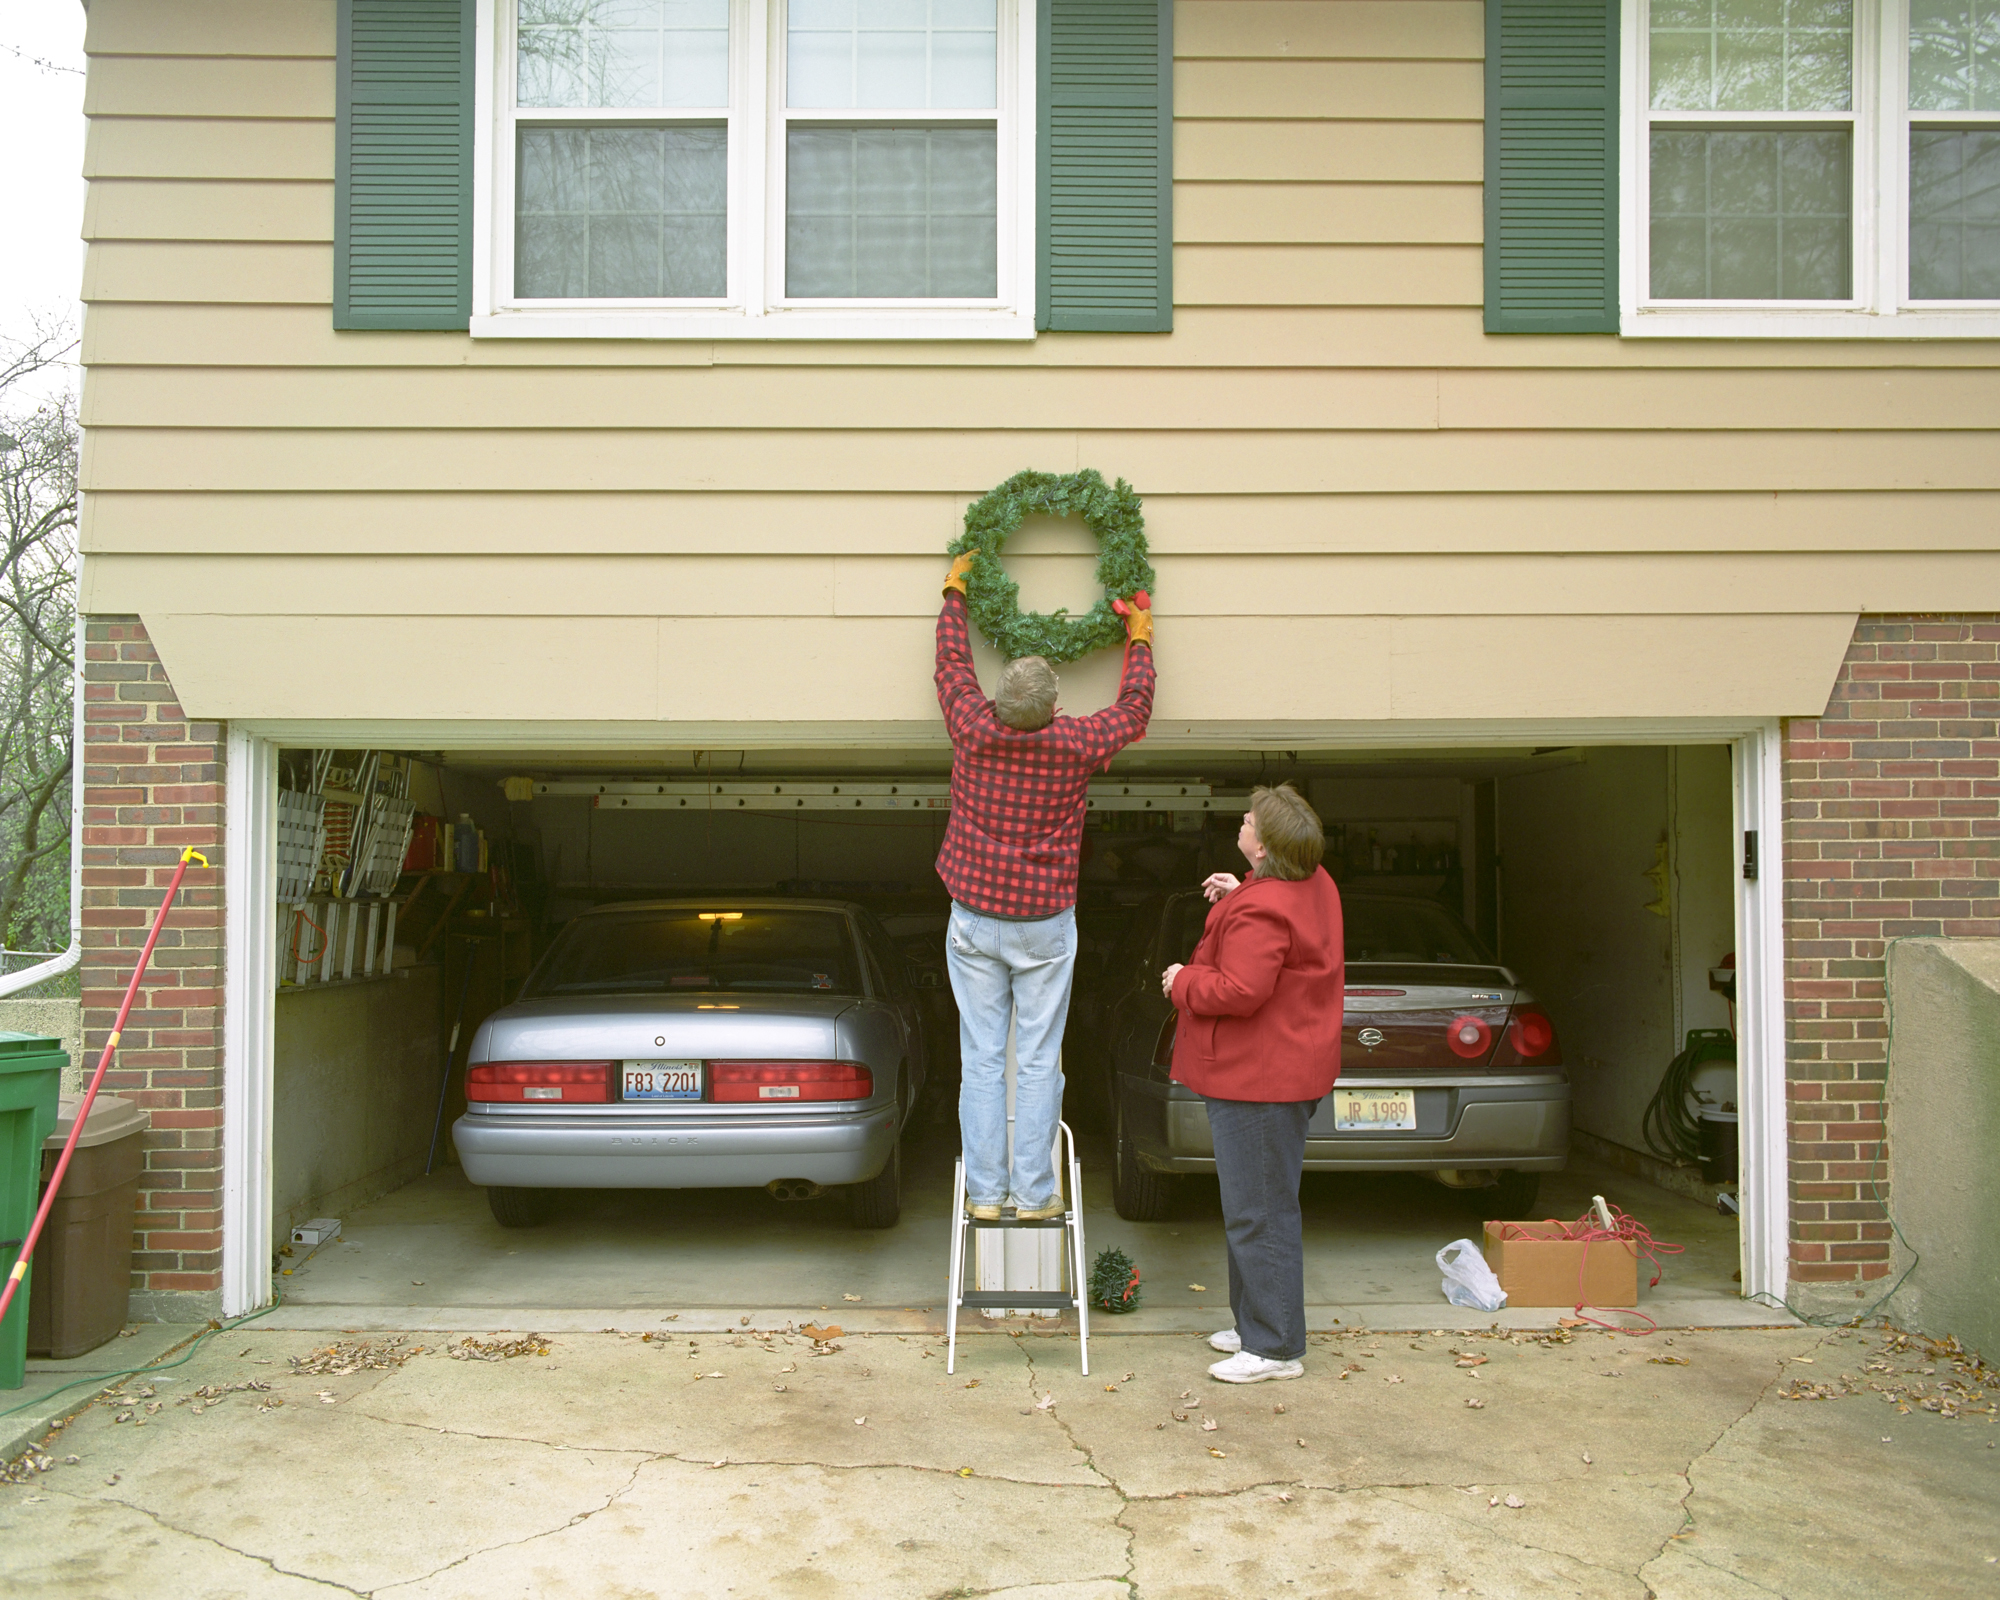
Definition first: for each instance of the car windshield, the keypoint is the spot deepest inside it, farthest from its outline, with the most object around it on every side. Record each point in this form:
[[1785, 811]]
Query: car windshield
[[768, 950], [1408, 930]]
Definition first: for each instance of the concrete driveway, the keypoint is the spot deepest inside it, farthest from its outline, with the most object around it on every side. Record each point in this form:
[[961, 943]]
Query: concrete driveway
[[282, 1465]]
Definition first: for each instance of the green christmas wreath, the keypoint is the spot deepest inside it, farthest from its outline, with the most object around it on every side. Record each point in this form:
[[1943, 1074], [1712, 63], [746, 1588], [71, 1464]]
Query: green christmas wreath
[[1110, 511]]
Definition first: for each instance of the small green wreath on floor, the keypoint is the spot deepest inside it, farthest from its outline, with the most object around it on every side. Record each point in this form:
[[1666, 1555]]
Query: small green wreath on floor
[[993, 599], [1114, 1282]]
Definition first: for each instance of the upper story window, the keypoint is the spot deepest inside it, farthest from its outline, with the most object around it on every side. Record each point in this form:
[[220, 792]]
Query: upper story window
[[1813, 165], [720, 168]]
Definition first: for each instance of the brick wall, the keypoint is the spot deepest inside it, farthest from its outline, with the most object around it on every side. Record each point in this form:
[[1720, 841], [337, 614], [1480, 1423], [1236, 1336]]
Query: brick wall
[[153, 784], [1892, 808]]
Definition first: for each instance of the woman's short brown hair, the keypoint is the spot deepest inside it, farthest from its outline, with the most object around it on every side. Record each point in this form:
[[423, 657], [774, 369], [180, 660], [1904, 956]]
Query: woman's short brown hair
[[1288, 829]]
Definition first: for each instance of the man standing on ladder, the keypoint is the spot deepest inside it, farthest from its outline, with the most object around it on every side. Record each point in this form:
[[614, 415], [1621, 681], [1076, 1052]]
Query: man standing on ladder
[[1020, 785]]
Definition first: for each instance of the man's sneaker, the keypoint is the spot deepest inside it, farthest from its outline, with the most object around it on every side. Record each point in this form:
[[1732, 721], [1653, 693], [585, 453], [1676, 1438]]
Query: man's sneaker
[[1054, 1208], [1243, 1367], [1228, 1341], [984, 1213]]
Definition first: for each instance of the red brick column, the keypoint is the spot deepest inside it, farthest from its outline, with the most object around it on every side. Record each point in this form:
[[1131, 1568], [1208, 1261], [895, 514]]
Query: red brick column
[[153, 784], [1892, 827]]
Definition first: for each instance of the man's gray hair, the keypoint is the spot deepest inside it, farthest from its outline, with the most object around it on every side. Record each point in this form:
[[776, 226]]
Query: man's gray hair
[[1027, 696]]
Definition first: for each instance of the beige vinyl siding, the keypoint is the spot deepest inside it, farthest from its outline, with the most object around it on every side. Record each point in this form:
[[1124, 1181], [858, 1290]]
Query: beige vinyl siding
[[547, 522], [1328, 430]]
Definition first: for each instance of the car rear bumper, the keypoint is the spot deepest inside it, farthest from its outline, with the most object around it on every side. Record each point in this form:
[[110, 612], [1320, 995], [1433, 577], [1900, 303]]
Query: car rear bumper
[[1521, 1124], [567, 1151]]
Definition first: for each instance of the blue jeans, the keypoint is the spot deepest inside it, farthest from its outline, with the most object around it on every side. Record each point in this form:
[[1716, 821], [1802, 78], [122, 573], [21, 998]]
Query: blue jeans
[[1010, 971]]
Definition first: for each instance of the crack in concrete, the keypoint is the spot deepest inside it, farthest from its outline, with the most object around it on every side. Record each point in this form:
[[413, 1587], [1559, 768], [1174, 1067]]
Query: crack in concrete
[[1090, 1461], [1686, 1475], [512, 1544], [209, 1539]]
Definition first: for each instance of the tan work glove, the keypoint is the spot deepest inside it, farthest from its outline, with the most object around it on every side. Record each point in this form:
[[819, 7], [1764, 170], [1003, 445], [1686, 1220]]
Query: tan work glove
[[960, 566], [1138, 615]]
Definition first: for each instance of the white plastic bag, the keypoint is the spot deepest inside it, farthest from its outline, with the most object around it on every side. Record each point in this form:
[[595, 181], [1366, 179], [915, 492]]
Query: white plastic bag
[[1468, 1280]]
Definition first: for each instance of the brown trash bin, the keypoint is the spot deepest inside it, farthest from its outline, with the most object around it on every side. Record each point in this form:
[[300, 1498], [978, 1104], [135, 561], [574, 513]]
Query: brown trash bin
[[83, 1261]]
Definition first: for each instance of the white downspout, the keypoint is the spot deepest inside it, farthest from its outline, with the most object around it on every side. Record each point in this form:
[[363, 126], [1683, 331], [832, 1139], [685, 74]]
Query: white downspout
[[27, 977]]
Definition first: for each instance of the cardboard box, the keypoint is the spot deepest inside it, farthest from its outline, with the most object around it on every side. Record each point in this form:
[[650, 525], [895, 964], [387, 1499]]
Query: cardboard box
[[1537, 1266]]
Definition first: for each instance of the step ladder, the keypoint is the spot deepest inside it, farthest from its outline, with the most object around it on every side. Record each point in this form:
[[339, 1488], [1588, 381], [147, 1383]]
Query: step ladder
[[1069, 1182]]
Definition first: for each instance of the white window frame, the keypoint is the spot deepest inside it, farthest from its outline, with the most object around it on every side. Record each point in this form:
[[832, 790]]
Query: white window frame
[[1881, 307], [754, 306]]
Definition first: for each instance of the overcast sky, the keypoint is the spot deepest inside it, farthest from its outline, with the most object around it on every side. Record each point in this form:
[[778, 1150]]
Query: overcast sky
[[41, 130]]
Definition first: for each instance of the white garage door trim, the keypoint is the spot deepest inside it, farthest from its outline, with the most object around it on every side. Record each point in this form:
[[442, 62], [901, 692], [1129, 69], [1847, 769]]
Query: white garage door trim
[[250, 972]]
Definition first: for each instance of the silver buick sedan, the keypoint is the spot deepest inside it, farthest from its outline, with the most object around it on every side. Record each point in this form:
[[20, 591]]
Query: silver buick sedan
[[713, 1043]]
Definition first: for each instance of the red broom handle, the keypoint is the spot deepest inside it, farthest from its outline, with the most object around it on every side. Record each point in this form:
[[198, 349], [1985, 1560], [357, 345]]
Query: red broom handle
[[96, 1079]]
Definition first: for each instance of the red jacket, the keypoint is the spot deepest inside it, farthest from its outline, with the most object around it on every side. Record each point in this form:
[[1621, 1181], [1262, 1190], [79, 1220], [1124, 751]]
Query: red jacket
[[1260, 998]]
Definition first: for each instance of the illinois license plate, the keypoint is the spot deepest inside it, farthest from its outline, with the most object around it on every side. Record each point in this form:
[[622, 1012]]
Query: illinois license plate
[[1374, 1110], [661, 1080]]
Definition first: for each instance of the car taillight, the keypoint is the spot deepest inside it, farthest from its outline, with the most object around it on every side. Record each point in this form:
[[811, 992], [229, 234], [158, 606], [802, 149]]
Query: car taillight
[[1163, 1046], [537, 1082], [1469, 1037], [1531, 1038], [789, 1080]]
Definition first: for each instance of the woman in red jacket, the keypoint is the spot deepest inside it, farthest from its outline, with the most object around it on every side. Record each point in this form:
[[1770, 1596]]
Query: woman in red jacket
[[1259, 1040]]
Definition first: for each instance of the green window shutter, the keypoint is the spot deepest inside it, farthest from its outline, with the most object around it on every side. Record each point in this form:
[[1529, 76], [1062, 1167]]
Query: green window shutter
[[1105, 114], [402, 231], [1552, 166]]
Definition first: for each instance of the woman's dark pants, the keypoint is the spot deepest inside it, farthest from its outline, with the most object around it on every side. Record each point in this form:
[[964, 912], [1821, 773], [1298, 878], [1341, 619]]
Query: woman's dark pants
[[1260, 1150]]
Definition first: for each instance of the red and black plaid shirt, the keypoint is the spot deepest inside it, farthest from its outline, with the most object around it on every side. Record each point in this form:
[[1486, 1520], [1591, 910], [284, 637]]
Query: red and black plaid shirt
[[1017, 799]]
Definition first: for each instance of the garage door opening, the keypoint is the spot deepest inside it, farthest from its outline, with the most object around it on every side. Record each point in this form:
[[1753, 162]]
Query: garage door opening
[[1593, 887]]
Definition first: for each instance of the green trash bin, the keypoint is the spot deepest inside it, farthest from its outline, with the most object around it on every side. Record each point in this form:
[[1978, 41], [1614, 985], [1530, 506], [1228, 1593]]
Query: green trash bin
[[31, 1070]]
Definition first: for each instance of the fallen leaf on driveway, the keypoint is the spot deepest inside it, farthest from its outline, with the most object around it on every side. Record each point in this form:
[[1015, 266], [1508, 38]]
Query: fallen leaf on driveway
[[965, 1472], [780, 1388], [789, 1366], [1668, 1361], [1476, 1404], [1045, 1402], [972, 1383], [1569, 1322], [860, 1421], [1277, 1411], [1473, 1361], [1393, 1377], [1586, 1458], [1302, 1444], [1283, 1497], [1514, 1502], [1199, 1288], [1208, 1424], [818, 1334], [326, 1397], [850, 1297], [700, 1375], [1220, 1455]]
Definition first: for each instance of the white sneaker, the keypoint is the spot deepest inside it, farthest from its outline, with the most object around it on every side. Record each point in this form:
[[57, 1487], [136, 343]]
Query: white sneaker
[[1243, 1367], [1228, 1341]]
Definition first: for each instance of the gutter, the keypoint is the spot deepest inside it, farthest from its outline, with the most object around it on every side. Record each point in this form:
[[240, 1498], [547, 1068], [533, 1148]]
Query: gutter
[[28, 977]]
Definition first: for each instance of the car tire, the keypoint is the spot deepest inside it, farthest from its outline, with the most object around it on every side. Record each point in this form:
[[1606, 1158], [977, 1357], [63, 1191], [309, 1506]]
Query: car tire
[[520, 1208], [878, 1202], [1513, 1196], [1139, 1194]]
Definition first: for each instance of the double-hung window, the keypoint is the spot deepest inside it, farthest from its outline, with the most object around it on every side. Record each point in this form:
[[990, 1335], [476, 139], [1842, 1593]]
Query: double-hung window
[[745, 168], [1812, 166]]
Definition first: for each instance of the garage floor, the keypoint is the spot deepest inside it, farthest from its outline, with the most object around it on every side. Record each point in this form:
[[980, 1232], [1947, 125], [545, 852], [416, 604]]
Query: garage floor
[[430, 1256]]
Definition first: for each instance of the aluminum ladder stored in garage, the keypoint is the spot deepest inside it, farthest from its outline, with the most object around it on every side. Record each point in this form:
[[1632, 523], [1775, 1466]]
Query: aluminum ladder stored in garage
[[1077, 1295]]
